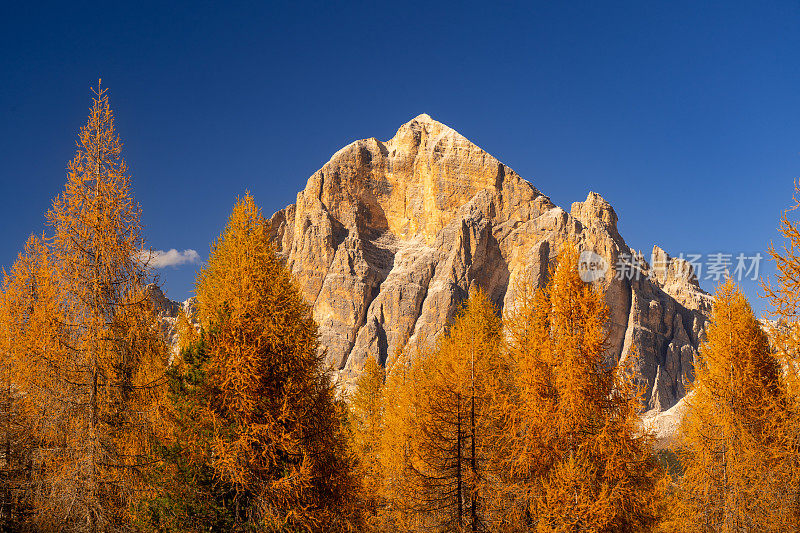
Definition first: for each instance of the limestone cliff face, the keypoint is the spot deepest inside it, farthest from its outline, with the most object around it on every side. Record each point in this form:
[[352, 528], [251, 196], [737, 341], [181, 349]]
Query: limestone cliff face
[[387, 239], [168, 311]]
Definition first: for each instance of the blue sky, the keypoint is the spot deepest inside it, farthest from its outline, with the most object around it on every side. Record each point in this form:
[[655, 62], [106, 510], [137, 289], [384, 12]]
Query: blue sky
[[683, 115]]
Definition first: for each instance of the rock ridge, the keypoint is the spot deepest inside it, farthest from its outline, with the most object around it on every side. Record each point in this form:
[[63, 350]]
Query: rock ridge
[[387, 239]]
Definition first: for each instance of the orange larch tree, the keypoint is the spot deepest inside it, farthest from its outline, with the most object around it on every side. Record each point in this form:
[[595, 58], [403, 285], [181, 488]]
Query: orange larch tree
[[572, 455], [19, 423], [525, 406], [279, 438], [90, 355], [366, 406], [784, 331], [448, 465], [396, 447], [736, 451], [784, 296]]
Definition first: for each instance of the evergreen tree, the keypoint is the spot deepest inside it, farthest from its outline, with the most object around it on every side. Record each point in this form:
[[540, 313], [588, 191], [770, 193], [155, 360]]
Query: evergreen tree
[[255, 411]]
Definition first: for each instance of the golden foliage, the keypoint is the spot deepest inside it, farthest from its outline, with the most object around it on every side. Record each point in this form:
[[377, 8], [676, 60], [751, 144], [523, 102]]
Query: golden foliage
[[18, 424], [186, 331], [278, 434], [572, 455], [784, 299], [436, 455], [396, 448], [88, 354], [366, 406], [736, 453], [519, 429], [785, 295]]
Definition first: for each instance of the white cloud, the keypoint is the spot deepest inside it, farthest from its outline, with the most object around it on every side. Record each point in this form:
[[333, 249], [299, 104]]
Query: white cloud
[[170, 258]]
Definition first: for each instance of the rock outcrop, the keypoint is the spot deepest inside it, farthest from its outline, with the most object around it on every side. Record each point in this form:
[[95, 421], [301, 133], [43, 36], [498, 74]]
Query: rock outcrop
[[665, 425], [387, 239], [163, 306], [168, 311]]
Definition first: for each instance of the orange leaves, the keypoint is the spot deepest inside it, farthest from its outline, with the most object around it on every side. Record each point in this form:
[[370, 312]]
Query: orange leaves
[[89, 356], [366, 427], [258, 325], [570, 449], [273, 410], [520, 424], [454, 386], [785, 295], [434, 452], [366, 410], [738, 439]]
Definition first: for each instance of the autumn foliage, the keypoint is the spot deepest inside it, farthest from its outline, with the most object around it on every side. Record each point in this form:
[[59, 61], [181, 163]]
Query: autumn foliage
[[572, 453], [518, 429], [449, 469], [87, 355], [366, 426], [254, 408], [736, 454], [517, 420]]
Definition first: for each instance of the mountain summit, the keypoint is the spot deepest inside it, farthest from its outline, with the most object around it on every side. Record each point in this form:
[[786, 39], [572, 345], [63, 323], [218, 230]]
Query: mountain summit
[[387, 239]]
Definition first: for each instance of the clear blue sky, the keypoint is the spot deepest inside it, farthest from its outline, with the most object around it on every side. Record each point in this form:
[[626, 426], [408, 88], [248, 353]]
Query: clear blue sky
[[684, 115]]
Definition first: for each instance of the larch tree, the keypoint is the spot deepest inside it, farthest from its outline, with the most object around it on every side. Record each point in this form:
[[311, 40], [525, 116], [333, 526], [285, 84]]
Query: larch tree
[[396, 448], [449, 466], [18, 413], [525, 407], [366, 407], [185, 492], [278, 439], [784, 297], [572, 455], [736, 454], [784, 332], [10, 474], [90, 355]]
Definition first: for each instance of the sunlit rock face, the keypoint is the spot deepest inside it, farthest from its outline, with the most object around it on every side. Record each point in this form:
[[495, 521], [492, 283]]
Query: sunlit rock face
[[387, 239]]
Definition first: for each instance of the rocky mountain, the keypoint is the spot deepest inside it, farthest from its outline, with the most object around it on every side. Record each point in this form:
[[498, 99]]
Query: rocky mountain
[[168, 311], [387, 239]]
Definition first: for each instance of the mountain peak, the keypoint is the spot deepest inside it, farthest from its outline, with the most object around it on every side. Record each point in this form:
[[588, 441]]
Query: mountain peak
[[389, 237], [413, 184], [424, 123]]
